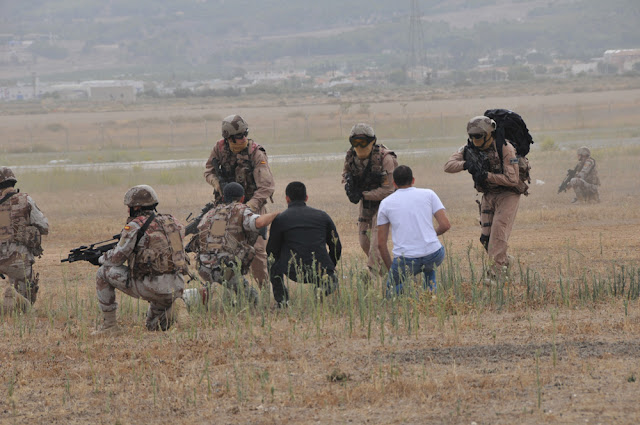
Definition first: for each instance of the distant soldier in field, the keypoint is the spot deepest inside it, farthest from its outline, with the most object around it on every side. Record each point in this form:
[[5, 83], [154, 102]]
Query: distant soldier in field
[[586, 181], [499, 182], [226, 239], [151, 245], [368, 179], [235, 158], [21, 227]]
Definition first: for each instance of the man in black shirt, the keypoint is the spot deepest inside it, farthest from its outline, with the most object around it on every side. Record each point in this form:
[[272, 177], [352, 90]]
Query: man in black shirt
[[298, 240]]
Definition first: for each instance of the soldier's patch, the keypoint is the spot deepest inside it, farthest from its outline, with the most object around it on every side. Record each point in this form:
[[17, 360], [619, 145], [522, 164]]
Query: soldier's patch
[[127, 227], [513, 161], [263, 162]]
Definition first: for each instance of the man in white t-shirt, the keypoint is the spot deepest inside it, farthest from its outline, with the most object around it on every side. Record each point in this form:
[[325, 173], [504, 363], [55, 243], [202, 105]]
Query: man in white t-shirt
[[409, 212]]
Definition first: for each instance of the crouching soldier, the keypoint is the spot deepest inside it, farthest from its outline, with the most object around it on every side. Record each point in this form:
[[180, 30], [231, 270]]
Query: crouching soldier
[[225, 242], [151, 245], [21, 224]]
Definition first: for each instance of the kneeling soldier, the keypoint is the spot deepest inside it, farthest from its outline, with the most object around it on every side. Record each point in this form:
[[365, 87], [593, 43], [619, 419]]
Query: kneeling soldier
[[21, 224], [225, 242], [151, 245]]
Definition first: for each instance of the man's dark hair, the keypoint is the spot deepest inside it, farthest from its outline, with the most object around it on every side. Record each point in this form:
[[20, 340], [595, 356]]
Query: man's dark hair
[[296, 191], [402, 176], [232, 192]]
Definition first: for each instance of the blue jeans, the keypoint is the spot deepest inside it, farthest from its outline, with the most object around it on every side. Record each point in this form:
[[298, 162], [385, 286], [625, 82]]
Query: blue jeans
[[403, 268]]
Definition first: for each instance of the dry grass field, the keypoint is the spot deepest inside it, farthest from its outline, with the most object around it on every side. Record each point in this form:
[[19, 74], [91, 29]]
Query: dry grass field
[[558, 342]]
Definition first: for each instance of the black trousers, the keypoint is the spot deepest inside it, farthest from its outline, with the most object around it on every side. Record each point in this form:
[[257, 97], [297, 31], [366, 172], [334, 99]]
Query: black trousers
[[300, 274]]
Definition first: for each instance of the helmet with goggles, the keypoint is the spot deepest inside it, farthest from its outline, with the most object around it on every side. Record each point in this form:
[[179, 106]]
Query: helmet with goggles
[[234, 126], [361, 135]]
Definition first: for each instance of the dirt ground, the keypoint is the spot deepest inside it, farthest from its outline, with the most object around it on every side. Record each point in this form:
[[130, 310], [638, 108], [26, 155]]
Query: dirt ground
[[354, 358]]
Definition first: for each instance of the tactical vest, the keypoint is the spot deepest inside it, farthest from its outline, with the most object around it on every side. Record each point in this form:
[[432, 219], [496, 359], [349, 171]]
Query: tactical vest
[[162, 251], [592, 176], [371, 176], [238, 167], [496, 166], [15, 214], [222, 235]]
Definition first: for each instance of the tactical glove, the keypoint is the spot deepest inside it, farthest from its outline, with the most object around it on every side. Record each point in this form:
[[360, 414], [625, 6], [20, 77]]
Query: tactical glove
[[353, 194]]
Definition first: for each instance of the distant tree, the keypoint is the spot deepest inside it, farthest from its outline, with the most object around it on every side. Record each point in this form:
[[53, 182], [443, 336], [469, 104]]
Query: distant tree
[[520, 73], [399, 76]]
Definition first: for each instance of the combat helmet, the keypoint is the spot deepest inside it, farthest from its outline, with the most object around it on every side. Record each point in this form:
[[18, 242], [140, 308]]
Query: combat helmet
[[481, 124], [6, 175], [584, 151], [141, 196], [234, 124], [362, 129]]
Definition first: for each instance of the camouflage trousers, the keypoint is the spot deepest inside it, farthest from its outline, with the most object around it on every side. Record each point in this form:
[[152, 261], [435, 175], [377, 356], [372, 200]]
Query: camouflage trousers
[[585, 191], [368, 238], [228, 278], [21, 289], [497, 215], [160, 291]]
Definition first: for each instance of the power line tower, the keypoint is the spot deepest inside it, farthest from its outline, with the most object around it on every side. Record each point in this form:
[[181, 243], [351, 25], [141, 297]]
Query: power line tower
[[416, 56]]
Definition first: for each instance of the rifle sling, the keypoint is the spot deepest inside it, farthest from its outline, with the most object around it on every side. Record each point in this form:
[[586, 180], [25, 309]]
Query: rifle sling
[[7, 196], [143, 229]]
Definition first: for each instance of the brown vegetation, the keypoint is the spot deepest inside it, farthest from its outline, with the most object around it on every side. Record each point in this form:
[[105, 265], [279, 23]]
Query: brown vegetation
[[556, 343]]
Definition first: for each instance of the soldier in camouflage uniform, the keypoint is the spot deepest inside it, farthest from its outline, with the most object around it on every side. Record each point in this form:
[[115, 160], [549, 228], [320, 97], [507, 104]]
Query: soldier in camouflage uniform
[[235, 158], [151, 245], [226, 241], [585, 183], [21, 225], [499, 181], [368, 178]]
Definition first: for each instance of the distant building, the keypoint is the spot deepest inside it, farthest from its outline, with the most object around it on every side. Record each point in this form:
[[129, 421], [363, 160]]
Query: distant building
[[623, 59], [125, 94]]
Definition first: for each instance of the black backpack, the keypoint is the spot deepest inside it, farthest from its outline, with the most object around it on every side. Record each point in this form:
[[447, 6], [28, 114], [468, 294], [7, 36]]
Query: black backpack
[[510, 126]]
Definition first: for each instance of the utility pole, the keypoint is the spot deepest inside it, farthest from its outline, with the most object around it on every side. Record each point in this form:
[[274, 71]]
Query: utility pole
[[416, 57]]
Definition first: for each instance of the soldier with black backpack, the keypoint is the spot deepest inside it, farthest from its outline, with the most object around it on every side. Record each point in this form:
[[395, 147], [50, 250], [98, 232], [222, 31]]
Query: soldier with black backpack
[[500, 173]]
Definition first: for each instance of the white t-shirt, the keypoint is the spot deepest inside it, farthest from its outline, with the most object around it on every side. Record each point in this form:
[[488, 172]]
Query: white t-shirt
[[410, 212]]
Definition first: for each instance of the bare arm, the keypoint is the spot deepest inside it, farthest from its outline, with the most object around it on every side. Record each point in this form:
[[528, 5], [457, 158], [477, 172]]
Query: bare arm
[[383, 237], [265, 219], [443, 222]]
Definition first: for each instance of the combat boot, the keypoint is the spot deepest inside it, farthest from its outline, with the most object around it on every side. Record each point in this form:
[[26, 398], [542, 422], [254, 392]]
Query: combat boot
[[109, 324]]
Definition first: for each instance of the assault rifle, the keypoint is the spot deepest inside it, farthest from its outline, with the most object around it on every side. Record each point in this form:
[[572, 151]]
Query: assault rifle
[[476, 160], [192, 226], [353, 193], [92, 252], [570, 174]]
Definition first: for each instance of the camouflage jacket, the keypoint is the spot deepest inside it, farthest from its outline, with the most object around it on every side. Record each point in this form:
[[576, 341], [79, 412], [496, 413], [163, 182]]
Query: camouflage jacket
[[158, 251], [226, 234], [373, 175], [250, 168], [21, 221], [510, 174], [588, 172]]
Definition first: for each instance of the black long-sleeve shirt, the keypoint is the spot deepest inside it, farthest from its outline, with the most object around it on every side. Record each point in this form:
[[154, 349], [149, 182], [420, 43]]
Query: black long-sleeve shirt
[[306, 232]]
